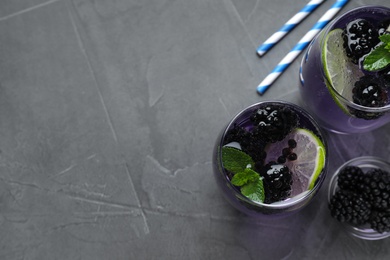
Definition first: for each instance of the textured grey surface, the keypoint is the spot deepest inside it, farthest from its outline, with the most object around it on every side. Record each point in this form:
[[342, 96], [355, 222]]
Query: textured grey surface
[[108, 115]]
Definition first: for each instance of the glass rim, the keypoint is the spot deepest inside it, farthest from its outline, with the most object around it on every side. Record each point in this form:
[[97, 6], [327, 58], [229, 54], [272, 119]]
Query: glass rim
[[345, 101], [369, 161], [289, 202]]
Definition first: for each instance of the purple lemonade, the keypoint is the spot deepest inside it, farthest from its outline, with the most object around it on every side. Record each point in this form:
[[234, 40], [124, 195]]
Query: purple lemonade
[[343, 96], [270, 159]]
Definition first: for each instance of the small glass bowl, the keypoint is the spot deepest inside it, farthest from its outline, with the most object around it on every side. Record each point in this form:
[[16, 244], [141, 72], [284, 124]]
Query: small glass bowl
[[366, 163]]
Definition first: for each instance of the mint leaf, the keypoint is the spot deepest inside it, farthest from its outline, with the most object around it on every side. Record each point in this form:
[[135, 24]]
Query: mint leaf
[[254, 190], [377, 59], [235, 160], [385, 38], [242, 178]]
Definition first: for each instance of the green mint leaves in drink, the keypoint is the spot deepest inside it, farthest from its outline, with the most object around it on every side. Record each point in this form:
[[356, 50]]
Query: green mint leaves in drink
[[254, 190], [241, 164], [245, 176], [379, 58], [235, 160]]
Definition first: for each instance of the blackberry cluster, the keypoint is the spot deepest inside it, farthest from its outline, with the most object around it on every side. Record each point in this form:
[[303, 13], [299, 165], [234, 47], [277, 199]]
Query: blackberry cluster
[[349, 177], [277, 181], [375, 188], [272, 123], [350, 207], [360, 37], [362, 198], [369, 91], [380, 221]]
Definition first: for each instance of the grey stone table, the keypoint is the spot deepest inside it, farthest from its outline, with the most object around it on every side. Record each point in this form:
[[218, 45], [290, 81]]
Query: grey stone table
[[108, 115]]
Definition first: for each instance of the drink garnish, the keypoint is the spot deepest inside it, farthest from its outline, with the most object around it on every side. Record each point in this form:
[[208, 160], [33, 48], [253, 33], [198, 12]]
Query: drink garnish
[[379, 58], [241, 164], [235, 160], [254, 190], [360, 37], [310, 161], [341, 73], [369, 91], [273, 123], [277, 181]]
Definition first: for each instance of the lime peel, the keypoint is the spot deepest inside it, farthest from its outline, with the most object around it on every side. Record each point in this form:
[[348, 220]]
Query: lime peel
[[340, 72], [319, 166]]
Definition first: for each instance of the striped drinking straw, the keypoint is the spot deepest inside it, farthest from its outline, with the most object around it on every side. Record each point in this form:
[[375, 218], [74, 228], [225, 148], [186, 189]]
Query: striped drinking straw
[[288, 26], [300, 46]]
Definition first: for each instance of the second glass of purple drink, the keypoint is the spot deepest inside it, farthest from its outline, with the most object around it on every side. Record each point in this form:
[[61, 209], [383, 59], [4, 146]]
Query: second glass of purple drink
[[332, 78]]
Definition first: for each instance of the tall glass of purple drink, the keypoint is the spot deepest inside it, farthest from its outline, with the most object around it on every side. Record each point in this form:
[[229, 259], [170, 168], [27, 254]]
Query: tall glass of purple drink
[[334, 85], [270, 159]]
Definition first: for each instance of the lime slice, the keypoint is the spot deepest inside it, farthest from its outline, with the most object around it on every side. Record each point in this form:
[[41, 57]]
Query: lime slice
[[340, 72], [310, 160]]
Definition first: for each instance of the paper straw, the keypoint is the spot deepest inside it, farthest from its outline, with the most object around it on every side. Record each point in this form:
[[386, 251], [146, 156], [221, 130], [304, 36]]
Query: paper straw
[[301, 45], [288, 26]]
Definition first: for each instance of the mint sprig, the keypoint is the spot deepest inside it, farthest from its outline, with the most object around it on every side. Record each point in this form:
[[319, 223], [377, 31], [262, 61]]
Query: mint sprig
[[235, 160], [241, 164], [245, 176], [254, 190], [379, 58]]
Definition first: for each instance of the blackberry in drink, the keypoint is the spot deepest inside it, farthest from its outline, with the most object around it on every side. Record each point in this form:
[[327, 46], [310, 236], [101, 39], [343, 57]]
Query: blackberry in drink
[[339, 90]]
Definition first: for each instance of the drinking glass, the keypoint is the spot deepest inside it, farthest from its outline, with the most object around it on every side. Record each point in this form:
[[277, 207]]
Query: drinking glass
[[233, 193], [327, 100]]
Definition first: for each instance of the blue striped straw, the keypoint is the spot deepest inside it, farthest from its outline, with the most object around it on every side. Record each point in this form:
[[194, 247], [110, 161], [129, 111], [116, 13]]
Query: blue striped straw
[[300, 46], [288, 26]]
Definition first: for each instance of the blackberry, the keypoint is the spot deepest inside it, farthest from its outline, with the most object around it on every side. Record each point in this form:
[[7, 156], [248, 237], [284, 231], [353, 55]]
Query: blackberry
[[237, 134], [350, 207], [272, 123], [349, 178], [256, 149], [380, 221], [277, 181], [369, 91], [240, 135], [360, 37], [375, 188], [249, 143]]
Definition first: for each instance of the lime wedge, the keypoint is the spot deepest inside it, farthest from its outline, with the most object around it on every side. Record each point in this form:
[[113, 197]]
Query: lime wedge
[[340, 72], [310, 160]]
